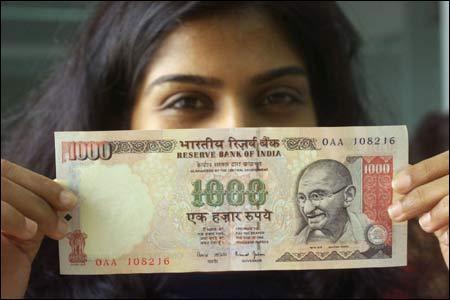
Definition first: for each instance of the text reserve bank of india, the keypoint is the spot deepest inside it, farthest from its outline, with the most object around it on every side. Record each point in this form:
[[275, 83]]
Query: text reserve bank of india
[[203, 200]]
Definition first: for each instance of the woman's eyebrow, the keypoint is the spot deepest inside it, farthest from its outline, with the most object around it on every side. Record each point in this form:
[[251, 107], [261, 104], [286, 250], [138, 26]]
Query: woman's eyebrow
[[187, 78], [218, 83], [277, 73]]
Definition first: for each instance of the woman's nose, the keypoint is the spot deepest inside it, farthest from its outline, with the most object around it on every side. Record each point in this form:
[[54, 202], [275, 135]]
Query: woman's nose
[[235, 114]]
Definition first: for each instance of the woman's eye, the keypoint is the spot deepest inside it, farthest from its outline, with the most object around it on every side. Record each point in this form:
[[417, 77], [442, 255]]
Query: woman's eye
[[284, 97], [188, 102]]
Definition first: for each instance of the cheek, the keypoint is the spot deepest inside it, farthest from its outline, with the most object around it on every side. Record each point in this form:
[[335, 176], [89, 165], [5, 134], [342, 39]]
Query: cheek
[[302, 211], [145, 123], [141, 117], [302, 208], [148, 119], [301, 119], [306, 117], [331, 206]]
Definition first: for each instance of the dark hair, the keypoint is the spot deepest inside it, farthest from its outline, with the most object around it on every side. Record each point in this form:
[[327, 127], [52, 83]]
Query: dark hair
[[96, 87]]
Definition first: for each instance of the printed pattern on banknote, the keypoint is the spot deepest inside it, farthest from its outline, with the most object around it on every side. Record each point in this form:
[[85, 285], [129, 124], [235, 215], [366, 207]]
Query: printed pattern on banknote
[[204, 200]]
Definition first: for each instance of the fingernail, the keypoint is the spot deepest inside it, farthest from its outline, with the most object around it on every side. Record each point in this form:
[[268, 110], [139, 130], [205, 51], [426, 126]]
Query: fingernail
[[401, 182], [31, 226], [68, 198], [62, 226], [425, 220], [395, 210]]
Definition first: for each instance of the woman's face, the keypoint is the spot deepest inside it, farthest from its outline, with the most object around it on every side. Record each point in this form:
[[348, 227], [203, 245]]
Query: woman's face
[[232, 71]]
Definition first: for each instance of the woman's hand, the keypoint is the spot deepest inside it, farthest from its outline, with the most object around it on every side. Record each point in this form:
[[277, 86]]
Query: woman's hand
[[423, 189], [29, 205]]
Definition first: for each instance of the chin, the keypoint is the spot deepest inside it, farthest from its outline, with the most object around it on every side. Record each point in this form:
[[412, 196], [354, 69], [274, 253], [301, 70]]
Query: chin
[[317, 225]]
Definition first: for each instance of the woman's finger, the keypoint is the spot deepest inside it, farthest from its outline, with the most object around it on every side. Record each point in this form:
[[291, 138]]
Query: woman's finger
[[442, 235], [34, 208], [436, 218], [16, 224], [421, 173], [420, 200], [58, 197]]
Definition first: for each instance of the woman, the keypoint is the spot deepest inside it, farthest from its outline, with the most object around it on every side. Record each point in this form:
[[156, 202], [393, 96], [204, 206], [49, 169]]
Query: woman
[[158, 65]]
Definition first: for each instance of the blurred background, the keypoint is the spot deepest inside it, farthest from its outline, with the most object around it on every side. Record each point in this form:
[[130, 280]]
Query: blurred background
[[404, 57]]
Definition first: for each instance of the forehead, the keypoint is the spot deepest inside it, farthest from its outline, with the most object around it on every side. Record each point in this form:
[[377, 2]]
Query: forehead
[[318, 178], [230, 46]]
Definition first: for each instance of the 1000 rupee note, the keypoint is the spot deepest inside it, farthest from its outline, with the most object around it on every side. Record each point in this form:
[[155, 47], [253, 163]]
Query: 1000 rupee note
[[187, 200]]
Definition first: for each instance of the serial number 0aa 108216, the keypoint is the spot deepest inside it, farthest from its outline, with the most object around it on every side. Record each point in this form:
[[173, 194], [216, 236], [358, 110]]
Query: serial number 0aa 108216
[[374, 141]]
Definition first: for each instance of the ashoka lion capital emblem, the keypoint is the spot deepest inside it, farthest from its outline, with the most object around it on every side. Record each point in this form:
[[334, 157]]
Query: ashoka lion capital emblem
[[77, 242]]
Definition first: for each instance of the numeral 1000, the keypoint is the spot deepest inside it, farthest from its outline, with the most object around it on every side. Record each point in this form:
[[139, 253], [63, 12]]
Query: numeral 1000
[[377, 169], [88, 150], [235, 193]]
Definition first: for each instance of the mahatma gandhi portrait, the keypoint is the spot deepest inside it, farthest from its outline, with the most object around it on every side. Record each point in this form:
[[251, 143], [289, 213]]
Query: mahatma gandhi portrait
[[325, 192]]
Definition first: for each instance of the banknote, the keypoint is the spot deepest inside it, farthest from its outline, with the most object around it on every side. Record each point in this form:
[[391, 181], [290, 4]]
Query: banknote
[[206, 200]]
